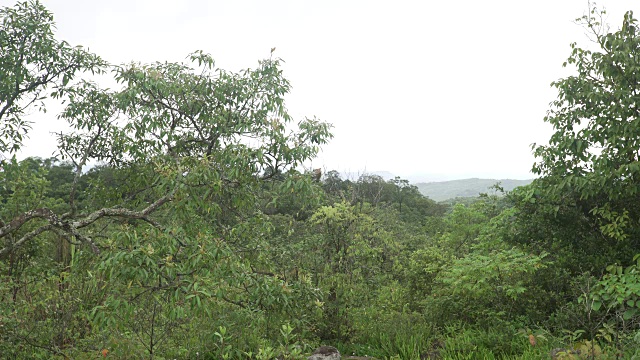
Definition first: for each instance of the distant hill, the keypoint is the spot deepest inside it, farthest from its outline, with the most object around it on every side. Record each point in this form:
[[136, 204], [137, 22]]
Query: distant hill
[[444, 190]]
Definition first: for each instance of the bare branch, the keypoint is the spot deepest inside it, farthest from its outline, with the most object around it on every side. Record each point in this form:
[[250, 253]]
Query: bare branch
[[121, 212], [71, 228], [17, 222]]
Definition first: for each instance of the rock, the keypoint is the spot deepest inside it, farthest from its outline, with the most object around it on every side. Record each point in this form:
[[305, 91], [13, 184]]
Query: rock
[[325, 353]]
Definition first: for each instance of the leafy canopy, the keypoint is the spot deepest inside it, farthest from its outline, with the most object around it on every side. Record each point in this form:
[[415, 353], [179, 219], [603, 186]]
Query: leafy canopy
[[31, 60], [596, 117]]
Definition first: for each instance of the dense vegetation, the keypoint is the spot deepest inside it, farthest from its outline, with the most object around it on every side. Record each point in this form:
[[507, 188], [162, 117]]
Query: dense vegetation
[[197, 235]]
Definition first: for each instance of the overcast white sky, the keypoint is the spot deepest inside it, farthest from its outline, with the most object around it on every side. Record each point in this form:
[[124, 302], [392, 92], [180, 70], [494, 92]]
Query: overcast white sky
[[427, 90]]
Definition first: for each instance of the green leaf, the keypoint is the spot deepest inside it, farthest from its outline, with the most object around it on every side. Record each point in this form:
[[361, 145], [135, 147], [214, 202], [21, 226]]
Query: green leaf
[[629, 313], [596, 305]]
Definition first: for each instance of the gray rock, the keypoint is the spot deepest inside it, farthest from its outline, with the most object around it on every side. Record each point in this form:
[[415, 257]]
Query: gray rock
[[325, 353]]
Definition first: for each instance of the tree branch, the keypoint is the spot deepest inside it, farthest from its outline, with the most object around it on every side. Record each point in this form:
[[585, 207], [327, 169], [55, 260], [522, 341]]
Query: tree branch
[[121, 212], [28, 236]]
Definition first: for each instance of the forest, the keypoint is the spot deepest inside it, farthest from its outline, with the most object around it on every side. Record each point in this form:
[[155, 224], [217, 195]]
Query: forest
[[177, 220]]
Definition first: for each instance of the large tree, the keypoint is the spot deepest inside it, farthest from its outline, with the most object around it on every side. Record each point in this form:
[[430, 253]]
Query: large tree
[[174, 129], [168, 221], [594, 152]]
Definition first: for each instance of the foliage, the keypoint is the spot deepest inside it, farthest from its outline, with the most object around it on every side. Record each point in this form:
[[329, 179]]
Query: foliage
[[199, 234], [461, 343], [354, 252], [614, 298], [31, 60], [593, 152], [166, 229]]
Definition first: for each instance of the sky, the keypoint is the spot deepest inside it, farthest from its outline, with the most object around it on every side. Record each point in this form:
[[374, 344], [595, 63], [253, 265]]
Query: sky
[[425, 90]]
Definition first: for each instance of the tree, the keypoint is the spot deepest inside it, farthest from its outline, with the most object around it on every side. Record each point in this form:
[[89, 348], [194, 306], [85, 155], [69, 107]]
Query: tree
[[31, 60], [594, 152], [200, 141], [402, 187], [369, 188], [174, 130], [168, 221], [351, 250], [334, 186]]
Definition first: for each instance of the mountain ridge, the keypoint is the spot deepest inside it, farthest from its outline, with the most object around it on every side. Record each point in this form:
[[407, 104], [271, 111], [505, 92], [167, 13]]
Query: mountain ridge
[[471, 187]]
